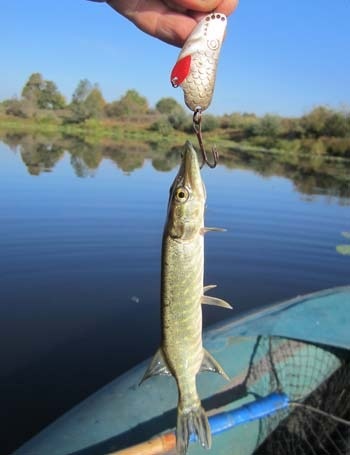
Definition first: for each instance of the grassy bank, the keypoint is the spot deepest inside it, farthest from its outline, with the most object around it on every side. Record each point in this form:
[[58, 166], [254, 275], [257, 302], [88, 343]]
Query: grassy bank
[[90, 130], [143, 130]]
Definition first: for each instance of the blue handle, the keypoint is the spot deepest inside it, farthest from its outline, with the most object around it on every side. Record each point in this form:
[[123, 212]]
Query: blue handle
[[246, 413]]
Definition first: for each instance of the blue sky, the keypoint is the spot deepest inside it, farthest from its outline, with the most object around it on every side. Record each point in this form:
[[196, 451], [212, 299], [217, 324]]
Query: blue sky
[[279, 56]]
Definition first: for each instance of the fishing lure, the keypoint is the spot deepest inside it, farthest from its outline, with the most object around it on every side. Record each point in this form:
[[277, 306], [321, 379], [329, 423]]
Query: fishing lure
[[195, 69]]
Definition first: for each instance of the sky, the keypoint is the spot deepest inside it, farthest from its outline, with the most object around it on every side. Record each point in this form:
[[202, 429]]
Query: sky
[[280, 56]]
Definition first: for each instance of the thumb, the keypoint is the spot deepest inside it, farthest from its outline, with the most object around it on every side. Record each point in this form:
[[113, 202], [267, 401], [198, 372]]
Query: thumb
[[204, 6]]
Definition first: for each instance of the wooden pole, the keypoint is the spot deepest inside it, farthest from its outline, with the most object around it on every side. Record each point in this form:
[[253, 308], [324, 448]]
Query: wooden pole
[[157, 446]]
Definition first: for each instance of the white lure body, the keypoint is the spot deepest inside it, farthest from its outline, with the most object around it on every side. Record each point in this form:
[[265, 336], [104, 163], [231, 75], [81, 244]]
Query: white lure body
[[195, 69]]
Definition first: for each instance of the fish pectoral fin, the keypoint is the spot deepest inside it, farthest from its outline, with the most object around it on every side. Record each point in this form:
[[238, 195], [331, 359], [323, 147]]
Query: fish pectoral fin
[[210, 364], [208, 300], [157, 367], [207, 288], [212, 229]]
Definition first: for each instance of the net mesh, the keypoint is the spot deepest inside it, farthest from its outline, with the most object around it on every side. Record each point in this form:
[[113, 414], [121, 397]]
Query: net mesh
[[317, 381]]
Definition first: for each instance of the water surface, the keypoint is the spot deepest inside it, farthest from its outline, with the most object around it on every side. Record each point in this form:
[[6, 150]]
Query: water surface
[[80, 237]]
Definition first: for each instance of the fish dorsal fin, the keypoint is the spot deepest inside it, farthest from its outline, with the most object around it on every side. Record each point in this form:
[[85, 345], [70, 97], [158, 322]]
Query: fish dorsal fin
[[212, 229], [157, 367], [210, 364]]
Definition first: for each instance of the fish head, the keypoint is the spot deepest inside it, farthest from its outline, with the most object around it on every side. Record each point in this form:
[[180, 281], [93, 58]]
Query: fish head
[[187, 198]]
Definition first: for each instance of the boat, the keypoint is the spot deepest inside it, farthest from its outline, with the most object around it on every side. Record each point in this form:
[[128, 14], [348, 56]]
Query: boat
[[298, 350]]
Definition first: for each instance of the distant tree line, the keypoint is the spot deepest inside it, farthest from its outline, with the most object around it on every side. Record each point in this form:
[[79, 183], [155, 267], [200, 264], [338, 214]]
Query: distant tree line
[[42, 100], [322, 130]]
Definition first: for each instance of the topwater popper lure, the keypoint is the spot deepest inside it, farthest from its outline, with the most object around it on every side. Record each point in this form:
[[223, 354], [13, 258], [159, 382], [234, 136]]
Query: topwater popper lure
[[195, 69]]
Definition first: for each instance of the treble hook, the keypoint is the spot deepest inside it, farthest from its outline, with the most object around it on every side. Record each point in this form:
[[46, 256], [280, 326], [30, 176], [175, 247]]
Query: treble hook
[[197, 126]]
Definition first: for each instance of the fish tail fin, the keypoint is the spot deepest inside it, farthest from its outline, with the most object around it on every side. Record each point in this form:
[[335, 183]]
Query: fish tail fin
[[195, 421]]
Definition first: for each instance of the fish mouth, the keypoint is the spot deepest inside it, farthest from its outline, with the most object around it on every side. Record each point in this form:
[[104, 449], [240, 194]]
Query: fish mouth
[[190, 173]]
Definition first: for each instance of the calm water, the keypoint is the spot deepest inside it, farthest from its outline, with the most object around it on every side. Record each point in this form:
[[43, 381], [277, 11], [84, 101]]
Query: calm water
[[80, 234]]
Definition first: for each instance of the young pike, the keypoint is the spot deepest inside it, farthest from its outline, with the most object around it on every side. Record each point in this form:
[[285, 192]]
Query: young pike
[[181, 353]]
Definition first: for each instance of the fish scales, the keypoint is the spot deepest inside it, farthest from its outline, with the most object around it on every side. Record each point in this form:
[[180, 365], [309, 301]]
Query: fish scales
[[181, 354], [196, 66], [181, 312]]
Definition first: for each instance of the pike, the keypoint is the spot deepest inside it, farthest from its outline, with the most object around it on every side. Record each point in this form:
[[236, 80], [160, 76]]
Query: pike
[[181, 353]]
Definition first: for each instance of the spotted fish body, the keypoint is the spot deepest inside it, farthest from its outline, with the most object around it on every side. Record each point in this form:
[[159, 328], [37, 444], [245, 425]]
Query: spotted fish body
[[195, 69], [181, 353]]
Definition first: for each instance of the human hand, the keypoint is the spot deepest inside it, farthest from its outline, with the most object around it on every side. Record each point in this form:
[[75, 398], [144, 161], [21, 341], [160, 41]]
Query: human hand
[[170, 20]]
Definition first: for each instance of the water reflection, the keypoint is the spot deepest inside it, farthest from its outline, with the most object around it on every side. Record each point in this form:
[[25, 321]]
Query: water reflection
[[80, 265], [311, 174]]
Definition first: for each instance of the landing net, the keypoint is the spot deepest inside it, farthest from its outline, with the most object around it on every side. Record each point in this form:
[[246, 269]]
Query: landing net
[[316, 380]]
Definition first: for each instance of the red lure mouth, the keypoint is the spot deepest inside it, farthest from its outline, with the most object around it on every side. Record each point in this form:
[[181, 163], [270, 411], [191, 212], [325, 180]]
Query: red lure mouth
[[180, 71]]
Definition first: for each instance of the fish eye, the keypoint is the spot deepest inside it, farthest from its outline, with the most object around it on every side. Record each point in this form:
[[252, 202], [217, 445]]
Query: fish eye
[[181, 194]]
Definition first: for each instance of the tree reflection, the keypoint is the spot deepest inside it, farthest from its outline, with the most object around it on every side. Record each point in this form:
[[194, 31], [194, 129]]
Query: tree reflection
[[165, 159], [85, 158], [311, 174], [127, 157], [39, 155]]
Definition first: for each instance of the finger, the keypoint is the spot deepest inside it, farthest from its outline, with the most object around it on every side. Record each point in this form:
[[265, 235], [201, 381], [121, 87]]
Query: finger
[[175, 7], [195, 5], [156, 19], [226, 7], [205, 6], [174, 28]]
